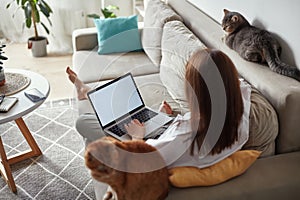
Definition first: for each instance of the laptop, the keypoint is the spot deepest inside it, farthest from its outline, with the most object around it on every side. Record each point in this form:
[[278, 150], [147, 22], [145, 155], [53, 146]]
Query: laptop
[[118, 102]]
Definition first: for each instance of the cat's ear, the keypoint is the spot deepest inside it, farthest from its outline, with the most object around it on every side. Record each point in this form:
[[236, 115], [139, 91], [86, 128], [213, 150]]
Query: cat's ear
[[234, 18], [104, 150], [226, 11]]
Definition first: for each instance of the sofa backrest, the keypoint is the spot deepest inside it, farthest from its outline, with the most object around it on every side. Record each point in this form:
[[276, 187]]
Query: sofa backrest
[[282, 92]]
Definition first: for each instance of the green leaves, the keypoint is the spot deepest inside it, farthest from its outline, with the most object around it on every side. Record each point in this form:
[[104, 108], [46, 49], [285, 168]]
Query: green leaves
[[108, 11], [95, 16], [3, 57], [32, 10], [44, 8], [28, 13], [24, 1], [1, 52], [45, 27]]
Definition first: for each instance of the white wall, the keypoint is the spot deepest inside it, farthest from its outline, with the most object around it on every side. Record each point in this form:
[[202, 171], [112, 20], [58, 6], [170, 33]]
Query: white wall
[[281, 17]]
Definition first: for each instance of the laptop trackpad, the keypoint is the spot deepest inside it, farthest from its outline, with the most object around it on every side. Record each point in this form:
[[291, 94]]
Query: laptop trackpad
[[155, 123]]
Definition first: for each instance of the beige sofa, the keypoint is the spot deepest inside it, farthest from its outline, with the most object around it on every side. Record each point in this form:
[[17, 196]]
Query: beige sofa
[[159, 77]]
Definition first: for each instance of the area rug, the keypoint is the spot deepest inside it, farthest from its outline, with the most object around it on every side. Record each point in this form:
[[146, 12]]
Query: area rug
[[60, 172]]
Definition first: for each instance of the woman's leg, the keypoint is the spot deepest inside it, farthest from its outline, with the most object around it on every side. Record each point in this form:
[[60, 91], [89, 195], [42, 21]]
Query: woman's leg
[[87, 124], [89, 128], [82, 89]]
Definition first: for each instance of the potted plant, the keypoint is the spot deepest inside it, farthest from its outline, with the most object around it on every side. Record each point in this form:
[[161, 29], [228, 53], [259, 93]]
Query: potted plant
[[32, 11], [2, 58], [108, 12]]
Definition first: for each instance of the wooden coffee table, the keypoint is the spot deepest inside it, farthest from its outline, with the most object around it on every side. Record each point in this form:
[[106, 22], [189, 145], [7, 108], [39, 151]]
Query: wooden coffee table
[[20, 109]]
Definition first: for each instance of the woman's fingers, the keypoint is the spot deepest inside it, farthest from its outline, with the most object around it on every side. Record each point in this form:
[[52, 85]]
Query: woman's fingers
[[135, 129], [133, 123], [136, 121], [165, 108]]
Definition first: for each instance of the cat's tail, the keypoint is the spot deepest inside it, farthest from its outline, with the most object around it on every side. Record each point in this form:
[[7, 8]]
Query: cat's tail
[[272, 57]]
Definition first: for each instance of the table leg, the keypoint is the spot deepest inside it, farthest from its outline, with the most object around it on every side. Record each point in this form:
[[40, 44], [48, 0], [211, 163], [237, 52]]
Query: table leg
[[6, 162], [35, 150], [5, 169]]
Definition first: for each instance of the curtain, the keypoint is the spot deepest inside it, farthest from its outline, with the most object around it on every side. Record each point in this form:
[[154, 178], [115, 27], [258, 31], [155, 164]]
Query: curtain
[[67, 16]]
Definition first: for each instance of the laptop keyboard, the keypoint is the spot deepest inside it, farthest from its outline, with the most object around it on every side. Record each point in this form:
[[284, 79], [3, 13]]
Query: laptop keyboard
[[143, 116]]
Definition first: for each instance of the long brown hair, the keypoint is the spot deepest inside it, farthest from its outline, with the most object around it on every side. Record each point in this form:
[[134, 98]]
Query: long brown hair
[[200, 100]]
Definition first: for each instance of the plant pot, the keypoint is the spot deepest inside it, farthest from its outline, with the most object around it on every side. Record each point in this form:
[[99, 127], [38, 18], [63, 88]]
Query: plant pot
[[38, 46]]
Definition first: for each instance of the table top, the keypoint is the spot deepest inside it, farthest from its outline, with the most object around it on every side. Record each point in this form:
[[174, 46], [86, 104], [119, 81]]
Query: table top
[[25, 105]]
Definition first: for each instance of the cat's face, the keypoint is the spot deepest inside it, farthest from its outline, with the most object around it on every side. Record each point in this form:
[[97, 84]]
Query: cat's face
[[231, 21]]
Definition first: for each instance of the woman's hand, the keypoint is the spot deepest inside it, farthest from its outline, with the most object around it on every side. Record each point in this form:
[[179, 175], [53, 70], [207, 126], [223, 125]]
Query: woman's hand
[[136, 129], [165, 108]]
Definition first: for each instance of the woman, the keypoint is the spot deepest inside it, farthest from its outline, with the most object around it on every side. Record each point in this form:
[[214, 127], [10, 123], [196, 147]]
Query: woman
[[193, 139]]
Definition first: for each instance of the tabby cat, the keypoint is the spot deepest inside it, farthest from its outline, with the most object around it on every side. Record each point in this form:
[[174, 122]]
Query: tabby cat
[[254, 44], [105, 155]]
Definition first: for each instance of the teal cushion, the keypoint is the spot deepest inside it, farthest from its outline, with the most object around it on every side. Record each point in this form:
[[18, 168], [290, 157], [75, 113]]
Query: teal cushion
[[117, 35]]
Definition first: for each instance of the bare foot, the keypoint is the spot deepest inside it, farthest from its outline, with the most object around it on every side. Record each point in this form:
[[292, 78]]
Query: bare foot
[[72, 74], [165, 108], [82, 89]]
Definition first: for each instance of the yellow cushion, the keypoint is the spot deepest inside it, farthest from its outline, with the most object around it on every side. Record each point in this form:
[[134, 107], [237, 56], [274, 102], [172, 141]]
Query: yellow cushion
[[232, 166]]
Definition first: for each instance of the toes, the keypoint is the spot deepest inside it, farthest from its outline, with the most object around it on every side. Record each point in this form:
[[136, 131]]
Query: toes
[[70, 71]]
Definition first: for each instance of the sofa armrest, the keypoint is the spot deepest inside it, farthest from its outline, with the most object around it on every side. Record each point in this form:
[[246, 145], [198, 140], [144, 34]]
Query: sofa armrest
[[84, 39]]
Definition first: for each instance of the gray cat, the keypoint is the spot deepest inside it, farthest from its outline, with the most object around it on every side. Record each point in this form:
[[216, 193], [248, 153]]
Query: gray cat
[[254, 44]]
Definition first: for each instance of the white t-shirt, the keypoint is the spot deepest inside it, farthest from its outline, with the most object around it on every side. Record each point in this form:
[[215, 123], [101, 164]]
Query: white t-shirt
[[174, 144]]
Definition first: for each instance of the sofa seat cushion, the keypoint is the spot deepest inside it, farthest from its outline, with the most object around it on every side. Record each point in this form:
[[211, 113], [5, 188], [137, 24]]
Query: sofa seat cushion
[[92, 67], [178, 44], [152, 91]]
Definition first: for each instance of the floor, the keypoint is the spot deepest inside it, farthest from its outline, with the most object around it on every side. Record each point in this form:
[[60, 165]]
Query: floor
[[60, 173], [52, 67]]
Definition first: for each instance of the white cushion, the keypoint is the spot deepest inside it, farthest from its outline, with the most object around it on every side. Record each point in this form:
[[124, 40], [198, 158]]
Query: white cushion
[[156, 15], [92, 67], [178, 44]]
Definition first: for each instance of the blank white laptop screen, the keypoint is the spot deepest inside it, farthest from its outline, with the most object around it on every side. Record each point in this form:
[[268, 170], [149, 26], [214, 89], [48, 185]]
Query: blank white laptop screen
[[115, 100]]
